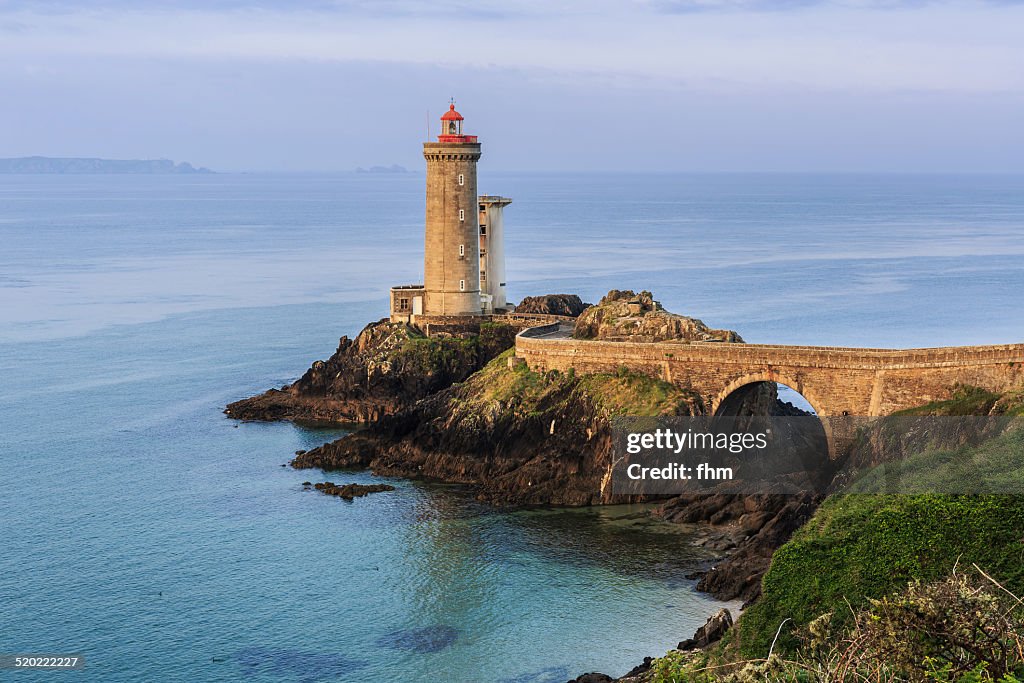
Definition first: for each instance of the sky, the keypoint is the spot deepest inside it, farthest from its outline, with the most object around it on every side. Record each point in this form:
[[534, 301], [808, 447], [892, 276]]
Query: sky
[[548, 85]]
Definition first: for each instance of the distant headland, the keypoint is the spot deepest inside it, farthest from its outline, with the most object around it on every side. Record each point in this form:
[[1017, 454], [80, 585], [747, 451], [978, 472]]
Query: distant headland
[[84, 165], [393, 168]]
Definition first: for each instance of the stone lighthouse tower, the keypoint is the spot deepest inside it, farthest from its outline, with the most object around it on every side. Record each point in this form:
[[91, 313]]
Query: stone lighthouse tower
[[451, 267]]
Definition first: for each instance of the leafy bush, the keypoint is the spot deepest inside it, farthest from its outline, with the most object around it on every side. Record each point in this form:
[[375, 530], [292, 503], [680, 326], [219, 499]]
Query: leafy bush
[[965, 628]]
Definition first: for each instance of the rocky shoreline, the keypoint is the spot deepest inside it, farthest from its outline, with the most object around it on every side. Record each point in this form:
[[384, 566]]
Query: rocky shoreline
[[456, 409], [387, 367]]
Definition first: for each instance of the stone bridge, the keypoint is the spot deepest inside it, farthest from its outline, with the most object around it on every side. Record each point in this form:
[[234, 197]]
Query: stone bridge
[[836, 381]]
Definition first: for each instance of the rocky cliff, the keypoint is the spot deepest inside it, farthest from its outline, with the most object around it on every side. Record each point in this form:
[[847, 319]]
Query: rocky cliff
[[516, 436], [456, 410], [387, 367], [523, 438]]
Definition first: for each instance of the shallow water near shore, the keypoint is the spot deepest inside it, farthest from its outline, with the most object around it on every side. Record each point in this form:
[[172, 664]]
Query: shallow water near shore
[[163, 541]]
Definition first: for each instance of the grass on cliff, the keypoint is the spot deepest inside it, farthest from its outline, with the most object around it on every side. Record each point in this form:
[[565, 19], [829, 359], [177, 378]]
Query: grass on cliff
[[628, 393], [429, 355], [993, 466], [858, 547], [968, 401], [622, 393], [863, 545]]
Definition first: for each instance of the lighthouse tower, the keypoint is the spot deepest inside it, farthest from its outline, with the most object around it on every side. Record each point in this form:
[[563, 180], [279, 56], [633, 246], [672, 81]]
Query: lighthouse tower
[[451, 267], [464, 252]]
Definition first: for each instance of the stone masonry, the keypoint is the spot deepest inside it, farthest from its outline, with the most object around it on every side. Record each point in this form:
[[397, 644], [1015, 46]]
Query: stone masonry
[[836, 381]]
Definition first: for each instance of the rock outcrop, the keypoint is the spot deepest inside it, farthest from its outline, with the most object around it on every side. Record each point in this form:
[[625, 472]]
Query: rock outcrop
[[459, 410], [387, 367], [750, 528], [552, 304], [711, 632], [350, 491], [517, 437], [626, 315]]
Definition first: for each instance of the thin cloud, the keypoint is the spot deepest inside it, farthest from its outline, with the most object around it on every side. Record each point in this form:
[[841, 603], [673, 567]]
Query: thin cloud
[[736, 6]]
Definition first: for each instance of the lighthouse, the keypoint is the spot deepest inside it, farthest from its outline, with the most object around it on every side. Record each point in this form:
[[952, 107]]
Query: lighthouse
[[463, 256], [451, 263]]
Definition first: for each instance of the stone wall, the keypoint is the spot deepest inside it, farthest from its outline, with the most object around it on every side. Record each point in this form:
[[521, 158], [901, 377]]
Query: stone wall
[[836, 381], [467, 325]]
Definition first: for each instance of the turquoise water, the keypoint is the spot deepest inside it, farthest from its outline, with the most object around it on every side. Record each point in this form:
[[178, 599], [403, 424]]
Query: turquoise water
[[165, 542]]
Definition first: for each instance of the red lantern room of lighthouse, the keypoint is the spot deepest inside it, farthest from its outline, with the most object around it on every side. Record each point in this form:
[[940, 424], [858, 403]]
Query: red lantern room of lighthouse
[[451, 127]]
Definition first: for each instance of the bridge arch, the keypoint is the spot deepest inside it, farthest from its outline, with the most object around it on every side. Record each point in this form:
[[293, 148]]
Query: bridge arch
[[793, 383], [749, 380]]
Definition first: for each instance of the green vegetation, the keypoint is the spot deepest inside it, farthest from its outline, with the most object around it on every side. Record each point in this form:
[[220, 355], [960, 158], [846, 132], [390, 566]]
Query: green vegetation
[[859, 547], [873, 586], [496, 382], [429, 355], [624, 393], [968, 400], [457, 356], [995, 465], [629, 393]]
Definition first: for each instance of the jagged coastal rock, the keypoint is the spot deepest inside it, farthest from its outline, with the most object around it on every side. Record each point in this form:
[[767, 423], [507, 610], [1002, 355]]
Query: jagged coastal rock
[[387, 367], [350, 491], [517, 437], [626, 315], [711, 632], [553, 304], [453, 409]]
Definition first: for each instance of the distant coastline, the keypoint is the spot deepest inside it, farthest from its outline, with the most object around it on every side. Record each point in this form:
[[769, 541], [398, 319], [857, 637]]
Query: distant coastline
[[85, 165], [393, 168]]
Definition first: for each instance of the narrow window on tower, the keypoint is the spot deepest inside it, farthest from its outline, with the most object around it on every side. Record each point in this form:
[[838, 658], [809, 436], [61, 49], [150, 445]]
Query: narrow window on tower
[[462, 179], [462, 285], [462, 250], [462, 214]]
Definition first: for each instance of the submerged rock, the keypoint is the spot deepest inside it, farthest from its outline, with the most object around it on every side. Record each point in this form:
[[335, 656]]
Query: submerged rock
[[424, 639], [300, 665], [593, 678]]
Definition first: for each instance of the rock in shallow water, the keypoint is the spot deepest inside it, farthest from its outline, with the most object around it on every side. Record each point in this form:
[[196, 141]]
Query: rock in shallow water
[[350, 491], [304, 666], [593, 678], [423, 639]]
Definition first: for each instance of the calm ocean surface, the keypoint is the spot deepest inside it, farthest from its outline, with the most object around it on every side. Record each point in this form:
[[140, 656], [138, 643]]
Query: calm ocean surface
[[166, 543]]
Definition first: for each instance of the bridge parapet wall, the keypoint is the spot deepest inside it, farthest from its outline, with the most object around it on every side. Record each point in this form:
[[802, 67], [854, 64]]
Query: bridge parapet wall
[[835, 380]]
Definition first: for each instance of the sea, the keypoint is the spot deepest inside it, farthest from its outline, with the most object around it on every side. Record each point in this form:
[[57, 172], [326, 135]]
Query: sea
[[145, 532]]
